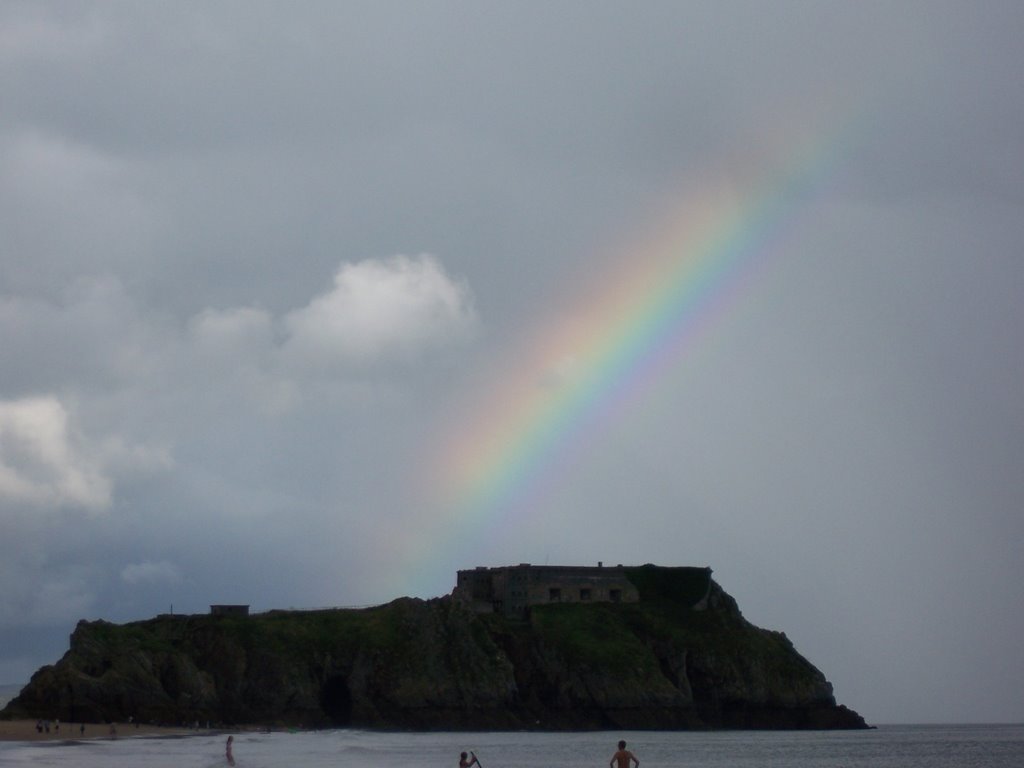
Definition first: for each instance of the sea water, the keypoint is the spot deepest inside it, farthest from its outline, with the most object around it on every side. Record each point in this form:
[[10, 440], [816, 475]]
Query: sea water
[[930, 746]]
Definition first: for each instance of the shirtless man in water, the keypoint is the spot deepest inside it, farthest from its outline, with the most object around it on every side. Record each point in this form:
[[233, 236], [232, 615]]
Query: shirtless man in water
[[621, 758]]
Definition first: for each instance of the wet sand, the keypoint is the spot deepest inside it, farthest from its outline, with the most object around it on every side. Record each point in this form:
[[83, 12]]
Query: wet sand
[[25, 730]]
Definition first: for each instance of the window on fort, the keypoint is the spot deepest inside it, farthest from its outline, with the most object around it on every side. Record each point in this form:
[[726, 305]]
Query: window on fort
[[554, 594], [584, 594], [615, 595]]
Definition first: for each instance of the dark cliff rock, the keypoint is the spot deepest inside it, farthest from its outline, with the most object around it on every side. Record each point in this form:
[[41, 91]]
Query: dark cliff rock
[[418, 665]]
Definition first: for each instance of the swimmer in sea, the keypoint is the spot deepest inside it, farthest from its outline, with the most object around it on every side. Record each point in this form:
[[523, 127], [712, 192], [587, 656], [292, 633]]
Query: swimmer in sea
[[621, 758]]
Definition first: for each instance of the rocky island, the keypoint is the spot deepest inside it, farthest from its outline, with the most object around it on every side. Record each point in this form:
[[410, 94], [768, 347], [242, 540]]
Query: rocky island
[[523, 647]]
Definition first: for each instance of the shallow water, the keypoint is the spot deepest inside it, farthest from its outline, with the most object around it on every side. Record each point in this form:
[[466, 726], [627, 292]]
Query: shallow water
[[952, 746]]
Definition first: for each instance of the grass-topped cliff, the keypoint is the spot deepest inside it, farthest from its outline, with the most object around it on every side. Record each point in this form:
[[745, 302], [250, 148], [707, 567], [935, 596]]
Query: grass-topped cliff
[[681, 657]]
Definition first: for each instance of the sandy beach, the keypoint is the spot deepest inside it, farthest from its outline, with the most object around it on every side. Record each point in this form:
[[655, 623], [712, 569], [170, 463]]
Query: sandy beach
[[25, 730]]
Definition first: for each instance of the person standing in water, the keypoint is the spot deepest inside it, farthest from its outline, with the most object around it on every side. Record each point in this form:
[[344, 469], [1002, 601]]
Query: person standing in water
[[227, 750], [621, 758]]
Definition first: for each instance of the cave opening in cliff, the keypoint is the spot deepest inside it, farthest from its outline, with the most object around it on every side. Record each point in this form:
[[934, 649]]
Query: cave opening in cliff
[[336, 701]]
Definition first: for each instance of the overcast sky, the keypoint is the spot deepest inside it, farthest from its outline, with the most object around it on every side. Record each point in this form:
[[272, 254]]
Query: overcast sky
[[313, 304]]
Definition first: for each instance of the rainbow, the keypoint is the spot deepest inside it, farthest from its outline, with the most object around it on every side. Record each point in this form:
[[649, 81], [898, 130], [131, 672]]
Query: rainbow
[[576, 374]]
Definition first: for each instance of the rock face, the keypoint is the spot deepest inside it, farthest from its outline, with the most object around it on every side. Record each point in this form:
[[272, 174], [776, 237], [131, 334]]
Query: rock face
[[420, 665]]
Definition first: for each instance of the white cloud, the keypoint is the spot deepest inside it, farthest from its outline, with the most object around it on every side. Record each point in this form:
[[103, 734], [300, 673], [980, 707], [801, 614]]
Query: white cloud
[[382, 309], [378, 311], [148, 572], [43, 462]]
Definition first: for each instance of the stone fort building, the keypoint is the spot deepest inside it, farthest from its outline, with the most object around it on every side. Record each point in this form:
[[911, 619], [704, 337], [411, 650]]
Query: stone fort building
[[511, 590]]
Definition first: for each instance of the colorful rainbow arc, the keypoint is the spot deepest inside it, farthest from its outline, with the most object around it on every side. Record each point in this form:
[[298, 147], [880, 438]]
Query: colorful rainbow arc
[[620, 339]]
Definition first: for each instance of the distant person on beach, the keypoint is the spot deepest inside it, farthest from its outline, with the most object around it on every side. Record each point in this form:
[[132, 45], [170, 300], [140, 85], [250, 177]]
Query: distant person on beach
[[465, 763], [621, 758], [227, 750]]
